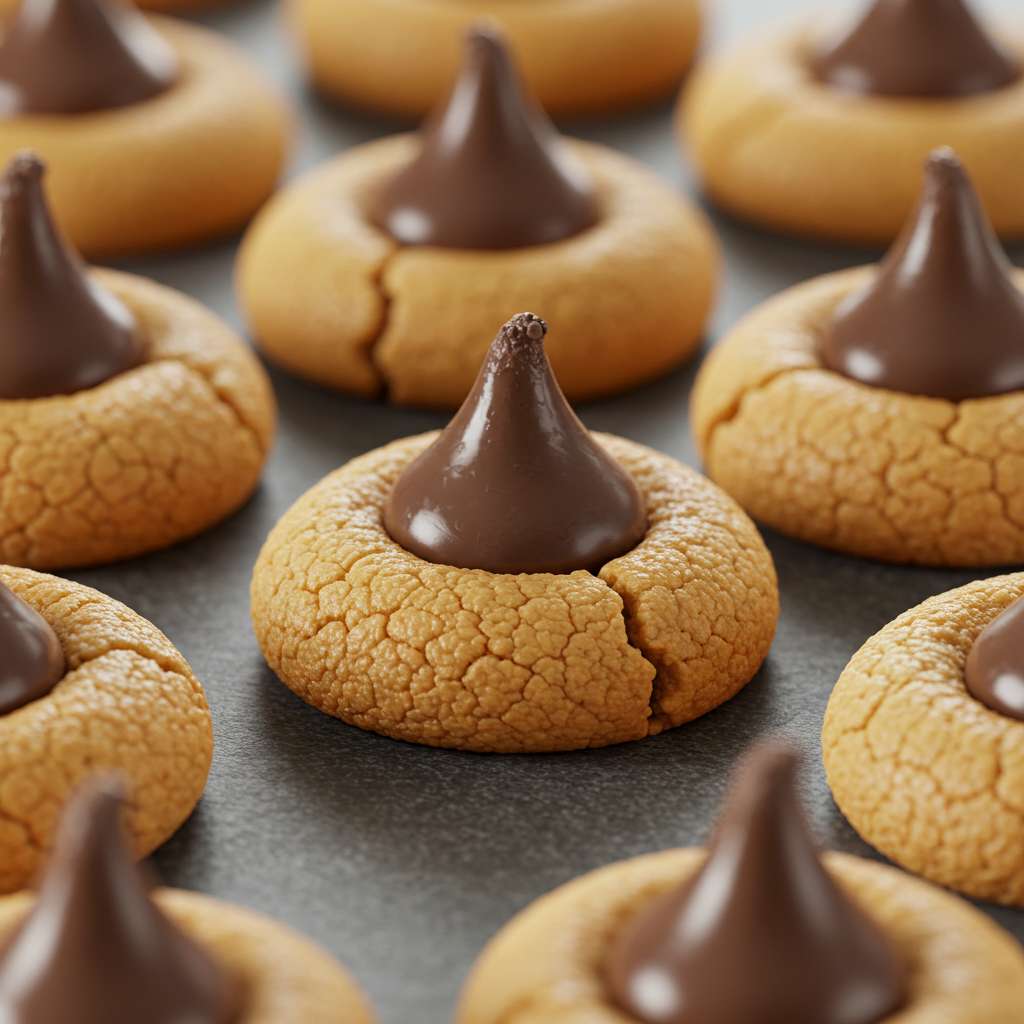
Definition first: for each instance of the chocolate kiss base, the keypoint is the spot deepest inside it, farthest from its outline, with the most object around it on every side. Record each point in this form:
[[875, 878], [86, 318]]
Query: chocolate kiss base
[[33, 660], [994, 672]]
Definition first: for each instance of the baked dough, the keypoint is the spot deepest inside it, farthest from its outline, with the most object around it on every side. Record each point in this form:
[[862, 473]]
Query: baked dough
[[859, 469], [543, 967], [335, 300], [774, 146], [288, 979], [149, 457], [925, 772], [364, 630], [188, 165], [578, 56], [129, 703]]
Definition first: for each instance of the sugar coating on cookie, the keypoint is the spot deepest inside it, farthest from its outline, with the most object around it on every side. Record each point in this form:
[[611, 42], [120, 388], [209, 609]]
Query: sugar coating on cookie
[[925, 771], [400, 56], [776, 143], [128, 702]]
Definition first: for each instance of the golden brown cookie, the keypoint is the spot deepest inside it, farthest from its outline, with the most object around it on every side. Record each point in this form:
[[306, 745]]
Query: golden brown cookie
[[859, 469], [924, 771], [364, 630], [400, 56], [151, 456], [543, 966], [129, 703], [776, 147], [164, 6], [192, 163], [332, 298], [288, 979]]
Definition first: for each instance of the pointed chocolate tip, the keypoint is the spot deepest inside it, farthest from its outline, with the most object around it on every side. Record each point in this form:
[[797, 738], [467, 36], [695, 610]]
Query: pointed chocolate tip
[[25, 168], [94, 812], [525, 327], [485, 39], [944, 167]]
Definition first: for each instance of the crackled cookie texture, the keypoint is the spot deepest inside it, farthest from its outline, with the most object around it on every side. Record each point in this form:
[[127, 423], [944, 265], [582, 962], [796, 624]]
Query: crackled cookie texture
[[130, 418], [159, 133], [401, 56], [126, 701], [94, 946], [397, 639], [875, 412], [385, 269], [924, 770], [820, 133], [758, 927]]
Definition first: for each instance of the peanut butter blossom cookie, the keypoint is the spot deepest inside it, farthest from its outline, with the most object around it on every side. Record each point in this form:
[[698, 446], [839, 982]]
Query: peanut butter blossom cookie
[[87, 685], [876, 411], [386, 269], [130, 417], [400, 56], [924, 740], [515, 583], [758, 929], [159, 133], [821, 133], [94, 946]]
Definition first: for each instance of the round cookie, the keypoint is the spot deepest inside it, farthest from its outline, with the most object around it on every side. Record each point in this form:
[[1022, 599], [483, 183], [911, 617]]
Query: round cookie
[[775, 146], [192, 163], [147, 458], [334, 299], [127, 703], [366, 631], [925, 772], [579, 56], [544, 965], [162, 6]]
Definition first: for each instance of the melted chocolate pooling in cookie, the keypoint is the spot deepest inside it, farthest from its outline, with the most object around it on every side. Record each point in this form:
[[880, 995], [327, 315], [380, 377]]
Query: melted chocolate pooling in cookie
[[95, 949], [515, 483], [60, 331], [492, 172], [929, 49], [762, 934], [943, 317], [81, 56], [31, 657], [995, 664]]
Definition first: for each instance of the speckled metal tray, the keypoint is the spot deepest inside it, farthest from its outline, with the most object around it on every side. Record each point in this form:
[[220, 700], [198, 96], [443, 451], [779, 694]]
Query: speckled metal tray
[[401, 860]]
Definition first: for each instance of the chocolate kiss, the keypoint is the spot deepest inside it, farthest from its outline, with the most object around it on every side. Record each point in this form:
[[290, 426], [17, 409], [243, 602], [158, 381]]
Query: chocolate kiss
[[762, 934], [32, 660], [79, 56], [995, 665], [943, 317], [492, 172], [60, 331], [916, 48], [95, 949], [515, 483]]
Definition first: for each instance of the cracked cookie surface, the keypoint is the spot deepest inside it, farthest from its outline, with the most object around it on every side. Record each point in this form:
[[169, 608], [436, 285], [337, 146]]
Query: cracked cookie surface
[[774, 146], [862, 470], [287, 978], [333, 299], [400, 56], [145, 459], [544, 966], [128, 703], [368, 632], [924, 771], [188, 165]]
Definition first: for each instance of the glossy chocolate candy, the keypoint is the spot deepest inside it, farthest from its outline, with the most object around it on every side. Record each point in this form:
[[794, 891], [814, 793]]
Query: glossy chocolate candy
[[995, 665], [943, 317], [95, 948], [929, 49], [60, 331], [31, 656], [762, 934], [491, 172], [515, 483]]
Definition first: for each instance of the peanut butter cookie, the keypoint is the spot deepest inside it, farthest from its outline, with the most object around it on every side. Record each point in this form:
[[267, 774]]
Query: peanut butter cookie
[[921, 767], [121, 698], [822, 135], [400, 56]]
